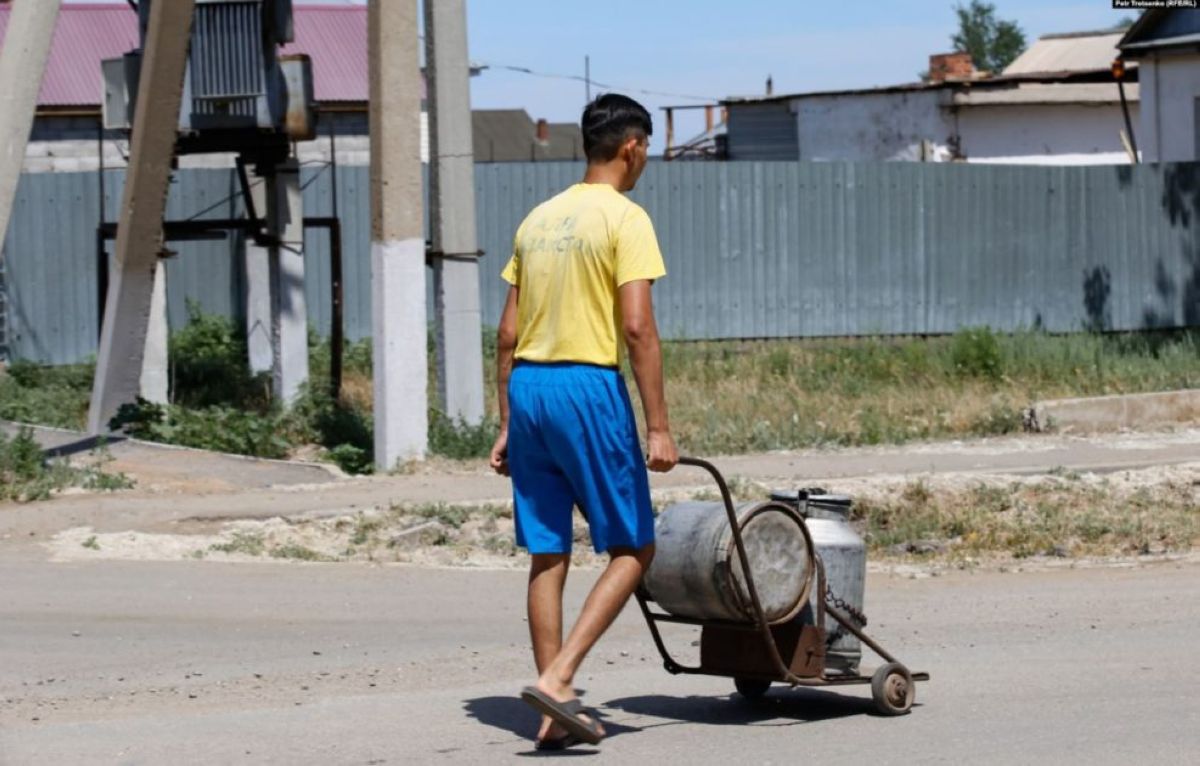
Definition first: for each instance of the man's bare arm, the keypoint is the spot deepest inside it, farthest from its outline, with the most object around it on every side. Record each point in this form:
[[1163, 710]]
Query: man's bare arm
[[645, 355], [506, 346]]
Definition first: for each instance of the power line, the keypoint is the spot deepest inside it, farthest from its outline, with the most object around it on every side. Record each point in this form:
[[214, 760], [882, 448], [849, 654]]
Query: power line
[[577, 78]]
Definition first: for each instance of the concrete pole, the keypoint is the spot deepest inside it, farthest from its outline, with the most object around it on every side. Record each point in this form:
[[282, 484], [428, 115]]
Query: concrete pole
[[22, 63], [139, 237], [154, 383], [401, 372], [289, 313], [452, 218], [258, 286]]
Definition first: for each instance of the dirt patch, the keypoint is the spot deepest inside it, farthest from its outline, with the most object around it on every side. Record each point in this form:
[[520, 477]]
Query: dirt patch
[[951, 520]]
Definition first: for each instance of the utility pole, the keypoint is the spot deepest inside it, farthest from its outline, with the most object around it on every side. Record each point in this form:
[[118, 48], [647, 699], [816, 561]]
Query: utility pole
[[22, 63], [452, 219], [401, 371], [587, 79], [128, 309], [289, 310], [256, 262]]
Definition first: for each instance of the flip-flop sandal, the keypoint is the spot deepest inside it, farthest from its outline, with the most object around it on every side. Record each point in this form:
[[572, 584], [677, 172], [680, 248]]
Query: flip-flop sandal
[[557, 743], [566, 714]]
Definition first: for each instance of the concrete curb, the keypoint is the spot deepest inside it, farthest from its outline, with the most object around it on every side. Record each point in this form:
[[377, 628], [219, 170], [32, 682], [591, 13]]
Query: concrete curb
[[1113, 413]]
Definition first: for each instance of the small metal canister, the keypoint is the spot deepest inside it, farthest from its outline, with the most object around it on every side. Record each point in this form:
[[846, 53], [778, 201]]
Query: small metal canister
[[844, 555]]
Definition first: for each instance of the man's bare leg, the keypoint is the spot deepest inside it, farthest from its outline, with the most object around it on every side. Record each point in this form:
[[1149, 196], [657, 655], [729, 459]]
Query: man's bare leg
[[604, 603], [547, 575]]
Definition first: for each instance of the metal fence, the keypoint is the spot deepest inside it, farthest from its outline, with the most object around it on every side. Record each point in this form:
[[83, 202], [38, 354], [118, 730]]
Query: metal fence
[[753, 250]]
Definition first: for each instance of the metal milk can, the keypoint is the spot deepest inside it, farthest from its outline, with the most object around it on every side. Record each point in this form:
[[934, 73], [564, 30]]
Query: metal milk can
[[844, 555]]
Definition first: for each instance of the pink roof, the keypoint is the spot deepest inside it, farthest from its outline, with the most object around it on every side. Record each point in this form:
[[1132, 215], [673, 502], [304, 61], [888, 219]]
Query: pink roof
[[335, 36]]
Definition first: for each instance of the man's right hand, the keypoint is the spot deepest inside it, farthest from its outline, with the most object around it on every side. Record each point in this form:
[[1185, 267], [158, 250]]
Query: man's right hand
[[662, 455], [499, 456]]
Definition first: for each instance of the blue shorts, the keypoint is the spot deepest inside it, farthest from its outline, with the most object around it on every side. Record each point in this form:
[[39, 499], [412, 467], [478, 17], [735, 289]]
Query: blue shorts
[[572, 441]]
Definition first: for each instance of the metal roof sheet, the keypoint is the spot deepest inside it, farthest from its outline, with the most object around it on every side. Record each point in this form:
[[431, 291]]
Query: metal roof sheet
[[1068, 53], [335, 36], [1162, 28], [1036, 93]]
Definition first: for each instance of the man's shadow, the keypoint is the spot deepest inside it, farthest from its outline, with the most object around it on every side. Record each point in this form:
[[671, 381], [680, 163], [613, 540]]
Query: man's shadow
[[512, 715], [780, 707]]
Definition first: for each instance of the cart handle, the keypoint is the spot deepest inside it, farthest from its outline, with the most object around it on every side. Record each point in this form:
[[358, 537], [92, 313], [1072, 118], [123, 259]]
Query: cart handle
[[735, 529]]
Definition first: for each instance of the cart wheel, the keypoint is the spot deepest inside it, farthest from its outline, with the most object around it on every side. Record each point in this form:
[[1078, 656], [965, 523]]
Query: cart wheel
[[751, 688], [893, 689]]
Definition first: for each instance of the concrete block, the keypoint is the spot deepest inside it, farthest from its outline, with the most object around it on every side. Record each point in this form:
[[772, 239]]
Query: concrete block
[[1113, 413]]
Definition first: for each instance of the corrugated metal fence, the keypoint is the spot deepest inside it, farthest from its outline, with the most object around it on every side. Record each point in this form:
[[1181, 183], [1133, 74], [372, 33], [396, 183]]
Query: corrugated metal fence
[[754, 250]]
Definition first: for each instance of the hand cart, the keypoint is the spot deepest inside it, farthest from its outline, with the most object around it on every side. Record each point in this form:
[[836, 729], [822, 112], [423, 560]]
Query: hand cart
[[756, 654]]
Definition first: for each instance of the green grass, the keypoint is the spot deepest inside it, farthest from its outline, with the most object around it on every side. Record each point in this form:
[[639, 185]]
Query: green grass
[[26, 475], [726, 397], [730, 397]]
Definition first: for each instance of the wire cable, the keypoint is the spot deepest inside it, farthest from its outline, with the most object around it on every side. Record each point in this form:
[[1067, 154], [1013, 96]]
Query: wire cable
[[596, 83]]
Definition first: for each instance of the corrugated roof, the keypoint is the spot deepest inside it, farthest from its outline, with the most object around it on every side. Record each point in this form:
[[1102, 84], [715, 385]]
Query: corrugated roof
[[1078, 52], [83, 37], [335, 36], [1162, 28]]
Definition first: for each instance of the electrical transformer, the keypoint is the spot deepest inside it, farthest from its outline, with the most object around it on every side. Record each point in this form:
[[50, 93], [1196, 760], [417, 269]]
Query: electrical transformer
[[239, 93]]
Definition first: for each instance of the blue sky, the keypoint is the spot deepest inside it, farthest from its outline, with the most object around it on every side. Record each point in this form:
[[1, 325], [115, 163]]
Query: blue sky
[[715, 48]]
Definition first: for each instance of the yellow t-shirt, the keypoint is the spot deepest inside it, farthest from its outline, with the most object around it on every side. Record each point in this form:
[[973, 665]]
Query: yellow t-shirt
[[569, 257]]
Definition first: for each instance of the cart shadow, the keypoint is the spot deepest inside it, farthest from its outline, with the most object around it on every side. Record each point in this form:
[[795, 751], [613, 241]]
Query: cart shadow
[[780, 707]]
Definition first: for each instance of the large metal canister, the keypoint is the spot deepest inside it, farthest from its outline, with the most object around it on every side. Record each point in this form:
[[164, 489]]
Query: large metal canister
[[844, 555], [696, 572]]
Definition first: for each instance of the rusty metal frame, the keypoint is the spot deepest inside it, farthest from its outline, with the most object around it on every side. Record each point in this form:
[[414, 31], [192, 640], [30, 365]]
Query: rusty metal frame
[[760, 622]]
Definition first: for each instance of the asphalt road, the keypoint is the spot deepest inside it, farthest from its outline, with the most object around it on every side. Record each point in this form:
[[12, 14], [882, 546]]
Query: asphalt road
[[200, 662]]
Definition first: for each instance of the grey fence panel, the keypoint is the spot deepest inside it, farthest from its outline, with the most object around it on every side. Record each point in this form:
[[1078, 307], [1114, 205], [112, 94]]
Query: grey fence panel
[[50, 268], [504, 193], [205, 274], [753, 250]]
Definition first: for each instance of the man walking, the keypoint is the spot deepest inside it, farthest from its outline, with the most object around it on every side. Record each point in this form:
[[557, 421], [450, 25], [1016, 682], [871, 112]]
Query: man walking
[[582, 266]]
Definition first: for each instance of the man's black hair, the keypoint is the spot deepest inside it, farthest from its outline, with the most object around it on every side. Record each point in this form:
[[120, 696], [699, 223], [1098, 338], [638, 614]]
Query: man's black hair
[[609, 121]]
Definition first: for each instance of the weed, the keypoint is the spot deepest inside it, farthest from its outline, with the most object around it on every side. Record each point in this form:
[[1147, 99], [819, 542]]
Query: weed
[[991, 499], [105, 482], [364, 528], [450, 515], [459, 440], [247, 543], [345, 429], [1033, 519], [975, 352], [219, 428], [210, 364], [1000, 418], [26, 476], [352, 459], [740, 489], [1064, 473], [91, 543], [296, 552], [502, 544]]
